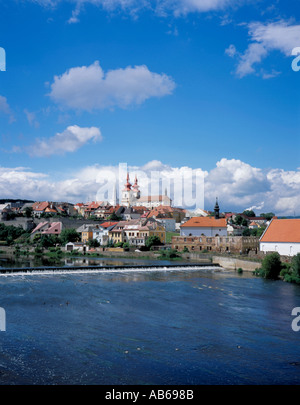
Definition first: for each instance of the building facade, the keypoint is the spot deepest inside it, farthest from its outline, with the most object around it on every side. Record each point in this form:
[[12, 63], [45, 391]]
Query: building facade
[[282, 236], [220, 244]]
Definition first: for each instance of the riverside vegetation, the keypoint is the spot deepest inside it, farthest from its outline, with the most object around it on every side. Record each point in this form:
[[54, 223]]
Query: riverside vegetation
[[273, 268]]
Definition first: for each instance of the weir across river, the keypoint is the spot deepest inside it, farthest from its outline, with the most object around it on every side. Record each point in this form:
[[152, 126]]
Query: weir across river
[[105, 268]]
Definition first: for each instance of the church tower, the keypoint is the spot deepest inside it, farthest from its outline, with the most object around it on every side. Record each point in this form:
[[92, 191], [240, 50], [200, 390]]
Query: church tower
[[127, 193], [217, 209], [136, 190]]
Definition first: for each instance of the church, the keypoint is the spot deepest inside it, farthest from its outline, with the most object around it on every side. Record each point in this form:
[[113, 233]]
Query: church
[[131, 196]]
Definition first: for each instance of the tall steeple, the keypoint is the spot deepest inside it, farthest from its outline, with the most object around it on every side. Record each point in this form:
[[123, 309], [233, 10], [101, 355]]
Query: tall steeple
[[127, 193], [135, 188], [217, 209], [127, 184]]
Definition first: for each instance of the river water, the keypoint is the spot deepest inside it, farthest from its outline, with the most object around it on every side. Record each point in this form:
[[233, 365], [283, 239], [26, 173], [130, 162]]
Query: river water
[[148, 327]]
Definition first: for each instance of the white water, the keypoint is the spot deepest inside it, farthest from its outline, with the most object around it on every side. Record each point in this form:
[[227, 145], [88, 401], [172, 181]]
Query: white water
[[110, 270]]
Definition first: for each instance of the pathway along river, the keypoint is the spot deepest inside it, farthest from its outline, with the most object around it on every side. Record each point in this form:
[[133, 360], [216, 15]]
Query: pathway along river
[[178, 326]]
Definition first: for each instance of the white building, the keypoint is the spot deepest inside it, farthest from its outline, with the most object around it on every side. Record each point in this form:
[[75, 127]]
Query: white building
[[207, 226], [282, 236], [101, 232], [76, 246]]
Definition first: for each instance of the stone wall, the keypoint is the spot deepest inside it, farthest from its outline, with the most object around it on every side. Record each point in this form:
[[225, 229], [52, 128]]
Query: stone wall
[[30, 223], [232, 263]]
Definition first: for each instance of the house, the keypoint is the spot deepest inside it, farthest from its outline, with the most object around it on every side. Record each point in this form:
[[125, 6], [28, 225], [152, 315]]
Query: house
[[117, 234], [47, 228], [86, 232], [38, 208], [136, 234], [91, 208], [156, 229], [208, 226], [76, 246], [101, 232], [80, 207], [258, 220], [282, 236]]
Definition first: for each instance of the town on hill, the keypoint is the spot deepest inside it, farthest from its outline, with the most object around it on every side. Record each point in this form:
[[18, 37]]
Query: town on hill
[[143, 223]]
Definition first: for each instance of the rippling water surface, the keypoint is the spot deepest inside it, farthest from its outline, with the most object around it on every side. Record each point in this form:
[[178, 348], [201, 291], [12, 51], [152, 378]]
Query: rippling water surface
[[165, 327]]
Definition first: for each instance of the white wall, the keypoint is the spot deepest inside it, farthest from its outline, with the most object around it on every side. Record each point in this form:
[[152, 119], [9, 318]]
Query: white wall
[[198, 231], [283, 248]]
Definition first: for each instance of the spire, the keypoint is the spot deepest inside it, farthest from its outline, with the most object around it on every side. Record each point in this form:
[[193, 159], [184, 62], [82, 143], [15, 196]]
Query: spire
[[217, 209], [135, 186], [127, 184]]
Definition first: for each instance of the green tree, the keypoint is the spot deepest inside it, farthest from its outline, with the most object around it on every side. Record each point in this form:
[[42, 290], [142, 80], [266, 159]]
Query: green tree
[[69, 235], [152, 241], [244, 222], [114, 217], [249, 213], [47, 241], [246, 232], [28, 212], [293, 273], [238, 220], [268, 215], [271, 266], [93, 243]]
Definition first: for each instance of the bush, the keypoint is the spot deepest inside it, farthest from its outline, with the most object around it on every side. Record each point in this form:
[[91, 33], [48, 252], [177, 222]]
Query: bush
[[291, 272], [169, 254], [240, 270], [259, 272], [271, 266]]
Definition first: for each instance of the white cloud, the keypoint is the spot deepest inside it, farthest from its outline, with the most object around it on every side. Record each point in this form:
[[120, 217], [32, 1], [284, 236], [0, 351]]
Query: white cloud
[[71, 139], [31, 118], [280, 36], [231, 51], [180, 7], [5, 108], [237, 184], [89, 88]]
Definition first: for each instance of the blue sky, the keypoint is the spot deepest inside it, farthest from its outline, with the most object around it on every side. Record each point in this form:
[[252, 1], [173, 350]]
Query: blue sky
[[185, 83]]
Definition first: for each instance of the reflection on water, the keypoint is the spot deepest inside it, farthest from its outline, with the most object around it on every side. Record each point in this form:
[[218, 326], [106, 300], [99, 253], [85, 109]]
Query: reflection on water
[[81, 261]]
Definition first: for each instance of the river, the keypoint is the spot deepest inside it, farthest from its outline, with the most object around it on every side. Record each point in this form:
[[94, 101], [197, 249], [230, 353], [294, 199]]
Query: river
[[148, 327]]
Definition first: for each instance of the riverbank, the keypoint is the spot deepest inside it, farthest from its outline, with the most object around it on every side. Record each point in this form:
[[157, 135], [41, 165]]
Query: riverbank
[[228, 262]]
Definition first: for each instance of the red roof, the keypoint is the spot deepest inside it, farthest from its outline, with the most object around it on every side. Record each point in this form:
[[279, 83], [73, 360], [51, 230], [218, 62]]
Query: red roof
[[40, 206], [282, 230], [108, 224], [205, 222]]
